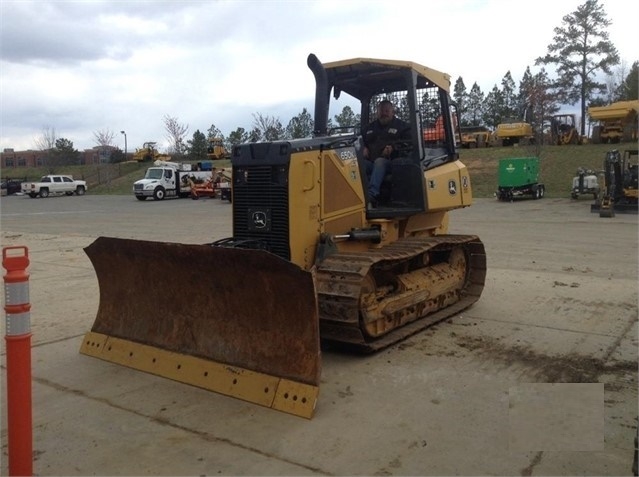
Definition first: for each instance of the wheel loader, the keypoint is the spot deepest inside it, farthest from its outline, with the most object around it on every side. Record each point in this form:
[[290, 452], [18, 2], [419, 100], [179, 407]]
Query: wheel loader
[[310, 266]]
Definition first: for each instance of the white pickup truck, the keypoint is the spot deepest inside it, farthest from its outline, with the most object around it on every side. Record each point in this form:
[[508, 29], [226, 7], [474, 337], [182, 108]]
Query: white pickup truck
[[54, 184]]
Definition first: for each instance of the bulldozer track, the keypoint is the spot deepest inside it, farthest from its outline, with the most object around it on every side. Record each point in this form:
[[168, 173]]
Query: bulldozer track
[[340, 278]]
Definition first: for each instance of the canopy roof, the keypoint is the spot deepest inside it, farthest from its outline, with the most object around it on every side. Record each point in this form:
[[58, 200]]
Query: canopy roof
[[362, 77]]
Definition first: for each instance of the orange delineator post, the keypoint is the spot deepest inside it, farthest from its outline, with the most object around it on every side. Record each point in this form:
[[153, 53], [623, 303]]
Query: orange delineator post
[[18, 339]]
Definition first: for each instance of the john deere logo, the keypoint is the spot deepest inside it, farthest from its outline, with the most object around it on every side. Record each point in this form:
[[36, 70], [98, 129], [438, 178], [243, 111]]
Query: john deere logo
[[510, 168], [259, 220], [452, 187]]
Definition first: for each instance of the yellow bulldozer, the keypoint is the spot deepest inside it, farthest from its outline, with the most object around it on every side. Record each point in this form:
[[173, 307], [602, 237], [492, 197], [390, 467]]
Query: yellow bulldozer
[[216, 149], [149, 153], [476, 136], [309, 264]]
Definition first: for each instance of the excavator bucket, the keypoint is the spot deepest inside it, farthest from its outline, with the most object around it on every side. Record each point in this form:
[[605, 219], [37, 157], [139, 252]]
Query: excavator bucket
[[239, 322]]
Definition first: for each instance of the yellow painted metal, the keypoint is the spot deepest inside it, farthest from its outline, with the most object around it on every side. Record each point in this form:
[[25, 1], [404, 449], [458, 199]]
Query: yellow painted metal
[[448, 187], [437, 77], [274, 392], [304, 208], [618, 110], [516, 129], [295, 398]]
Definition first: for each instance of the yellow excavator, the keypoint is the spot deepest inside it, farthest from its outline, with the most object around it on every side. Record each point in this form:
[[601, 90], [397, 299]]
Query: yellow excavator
[[620, 192], [309, 264]]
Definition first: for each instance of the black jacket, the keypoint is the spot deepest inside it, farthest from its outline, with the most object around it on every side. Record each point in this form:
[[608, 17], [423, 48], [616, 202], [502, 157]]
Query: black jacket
[[376, 136]]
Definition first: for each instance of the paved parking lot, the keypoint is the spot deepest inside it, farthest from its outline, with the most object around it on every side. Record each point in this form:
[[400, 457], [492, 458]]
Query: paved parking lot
[[538, 378]]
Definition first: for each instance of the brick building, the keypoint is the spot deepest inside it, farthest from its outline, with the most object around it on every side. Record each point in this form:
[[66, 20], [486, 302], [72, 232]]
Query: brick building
[[31, 158]]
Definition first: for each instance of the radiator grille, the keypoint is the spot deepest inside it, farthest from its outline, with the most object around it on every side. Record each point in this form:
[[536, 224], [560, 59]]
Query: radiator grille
[[260, 207]]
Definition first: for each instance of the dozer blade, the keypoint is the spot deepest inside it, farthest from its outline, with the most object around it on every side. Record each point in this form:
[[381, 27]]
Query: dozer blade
[[239, 322]]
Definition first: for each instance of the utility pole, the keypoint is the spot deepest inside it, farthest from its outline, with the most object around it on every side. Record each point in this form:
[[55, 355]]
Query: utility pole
[[125, 158]]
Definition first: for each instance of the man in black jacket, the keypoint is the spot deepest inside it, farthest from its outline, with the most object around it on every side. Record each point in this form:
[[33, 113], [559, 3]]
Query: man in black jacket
[[379, 137]]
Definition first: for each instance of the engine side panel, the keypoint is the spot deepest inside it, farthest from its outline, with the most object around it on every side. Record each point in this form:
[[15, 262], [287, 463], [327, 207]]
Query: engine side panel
[[448, 187]]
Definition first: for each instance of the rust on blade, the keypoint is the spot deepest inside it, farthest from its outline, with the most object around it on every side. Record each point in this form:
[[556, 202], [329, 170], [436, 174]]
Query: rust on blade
[[246, 308]]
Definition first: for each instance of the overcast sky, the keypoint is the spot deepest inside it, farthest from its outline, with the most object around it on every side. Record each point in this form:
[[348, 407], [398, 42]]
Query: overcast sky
[[84, 66]]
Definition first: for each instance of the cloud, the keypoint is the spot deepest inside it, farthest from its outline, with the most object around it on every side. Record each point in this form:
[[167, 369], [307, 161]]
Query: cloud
[[84, 66]]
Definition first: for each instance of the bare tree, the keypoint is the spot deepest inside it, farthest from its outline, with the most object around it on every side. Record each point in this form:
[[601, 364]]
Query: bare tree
[[270, 127], [614, 80], [46, 142], [103, 137], [176, 133]]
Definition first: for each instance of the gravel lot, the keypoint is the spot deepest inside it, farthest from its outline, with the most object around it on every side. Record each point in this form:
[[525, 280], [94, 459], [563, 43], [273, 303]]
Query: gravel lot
[[541, 369]]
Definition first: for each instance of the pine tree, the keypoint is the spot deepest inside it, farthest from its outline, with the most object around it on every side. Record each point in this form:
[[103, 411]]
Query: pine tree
[[460, 96], [197, 146], [580, 49], [300, 126], [627, 91]]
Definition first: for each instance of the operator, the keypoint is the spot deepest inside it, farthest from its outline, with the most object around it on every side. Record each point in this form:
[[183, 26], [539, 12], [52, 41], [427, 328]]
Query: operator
[[379, 137]]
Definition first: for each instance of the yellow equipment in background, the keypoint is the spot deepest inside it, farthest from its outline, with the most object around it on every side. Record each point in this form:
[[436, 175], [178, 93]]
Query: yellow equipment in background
[[476, 136], [309, 263], [563, 128], [620, 191], [616, 122], [513, 132], [149, 153], [216, 149]]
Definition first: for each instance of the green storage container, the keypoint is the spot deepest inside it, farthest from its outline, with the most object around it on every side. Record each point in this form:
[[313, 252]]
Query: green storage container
[[518, 171]]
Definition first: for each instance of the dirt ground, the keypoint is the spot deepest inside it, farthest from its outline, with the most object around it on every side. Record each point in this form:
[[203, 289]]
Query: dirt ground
[[537, 378]]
